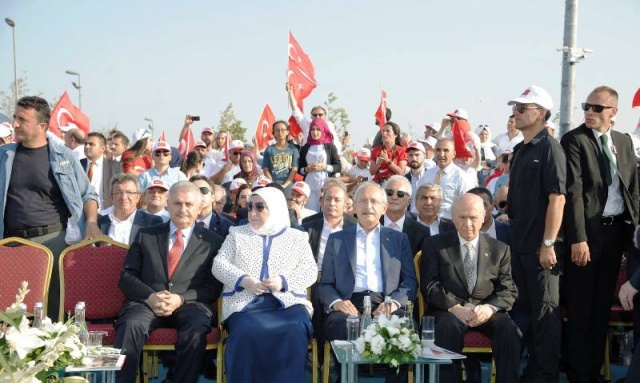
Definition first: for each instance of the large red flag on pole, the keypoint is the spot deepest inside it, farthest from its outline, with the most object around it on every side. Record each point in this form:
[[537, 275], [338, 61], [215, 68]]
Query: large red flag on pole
[[381, 113], [187, 142], [264, 131], [461, 138], [67, 116], [301, 76]]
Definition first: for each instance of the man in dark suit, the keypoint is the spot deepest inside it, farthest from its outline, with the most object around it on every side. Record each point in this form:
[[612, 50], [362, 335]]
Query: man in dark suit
[[428, 197], [99, 169], [123, 223], [210, 218], [365, 260], [466, 280], [600, 214], [167, 281]]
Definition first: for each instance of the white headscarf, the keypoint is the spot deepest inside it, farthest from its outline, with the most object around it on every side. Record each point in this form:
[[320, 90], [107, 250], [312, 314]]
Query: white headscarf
[[278, 218]]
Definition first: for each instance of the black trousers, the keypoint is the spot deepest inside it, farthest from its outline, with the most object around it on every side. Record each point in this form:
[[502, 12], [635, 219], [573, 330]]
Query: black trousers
[[539, 295], [137, 321], [589, 292], [505, 340]]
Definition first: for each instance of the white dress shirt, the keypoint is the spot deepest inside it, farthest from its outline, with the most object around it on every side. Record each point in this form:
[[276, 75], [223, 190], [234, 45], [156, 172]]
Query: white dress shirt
[[615, 202], [491, 232], [503, 142], [186, 235], [368, 263], [399, 223], [434, 228], [120, 231], [96, 180], [454, 182], [326, 230]]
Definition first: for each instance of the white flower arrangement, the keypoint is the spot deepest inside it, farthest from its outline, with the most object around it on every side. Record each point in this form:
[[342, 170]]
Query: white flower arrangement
[[389, 341], [27, 354]]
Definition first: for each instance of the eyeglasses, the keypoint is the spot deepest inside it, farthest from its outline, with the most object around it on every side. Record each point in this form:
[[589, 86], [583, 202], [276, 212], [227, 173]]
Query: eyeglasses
[[502, 204], [204, 190], [236, 153], [399, 193], [125, 193], [522, 107], [259, 206], [595, 108], [164, 153], [317, 114]]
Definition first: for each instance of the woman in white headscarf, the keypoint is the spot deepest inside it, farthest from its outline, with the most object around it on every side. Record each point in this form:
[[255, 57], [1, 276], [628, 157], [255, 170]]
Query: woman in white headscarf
[[488, 153], [266, 267]]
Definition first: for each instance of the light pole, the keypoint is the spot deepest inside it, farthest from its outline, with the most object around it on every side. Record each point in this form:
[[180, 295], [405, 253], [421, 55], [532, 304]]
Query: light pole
[[12, 24], [78, 86], [150, 124]]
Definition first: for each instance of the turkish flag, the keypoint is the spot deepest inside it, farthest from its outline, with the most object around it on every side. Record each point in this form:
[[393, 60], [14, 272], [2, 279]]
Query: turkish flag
[[462, 139], [67, 116], [187, 142], [381, 113], [636, 99], [264, 131], [163, 137], [294, 128], [300, 72]]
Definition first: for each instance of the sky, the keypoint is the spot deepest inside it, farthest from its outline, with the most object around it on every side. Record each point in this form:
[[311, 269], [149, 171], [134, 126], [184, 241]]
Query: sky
[[164, 59]]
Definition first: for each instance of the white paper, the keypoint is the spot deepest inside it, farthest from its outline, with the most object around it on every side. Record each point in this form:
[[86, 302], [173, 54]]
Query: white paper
[[432, 351]]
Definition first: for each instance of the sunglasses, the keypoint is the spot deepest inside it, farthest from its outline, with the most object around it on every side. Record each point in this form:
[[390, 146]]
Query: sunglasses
[[259, 206], [236, 153], [502, 204], [595, 108], [204, 190], [522, 107], [399, 193], [163, 153], [317, 114]]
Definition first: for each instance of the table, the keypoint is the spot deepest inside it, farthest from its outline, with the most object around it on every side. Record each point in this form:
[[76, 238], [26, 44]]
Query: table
[[349, 370], [104, 368]]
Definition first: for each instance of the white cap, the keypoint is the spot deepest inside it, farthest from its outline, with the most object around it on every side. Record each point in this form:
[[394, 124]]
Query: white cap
[[236, 183], [236, 144], [534, 95], [431, 141], [302, 188], [207, 130], [157, 183], [417, 146], [363, 154], [5, 130], [140, 134], [161, 145], [200, 143], [460, 113], [260, 182]]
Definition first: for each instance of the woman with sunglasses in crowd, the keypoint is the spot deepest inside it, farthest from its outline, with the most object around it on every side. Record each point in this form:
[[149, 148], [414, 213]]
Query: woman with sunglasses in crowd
[[266, 268], [389, 158], [319, 160]]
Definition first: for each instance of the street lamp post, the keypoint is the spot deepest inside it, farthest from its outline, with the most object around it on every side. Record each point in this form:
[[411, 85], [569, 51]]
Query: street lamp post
[[12, 24], [78, 86], [150, 124]]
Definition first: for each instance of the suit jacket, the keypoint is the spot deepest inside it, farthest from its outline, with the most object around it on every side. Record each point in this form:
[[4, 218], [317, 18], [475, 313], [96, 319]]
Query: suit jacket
[[109, 169], [587, 189], [140, 220], [444, 284], [219, 224], [314, 229], [503, 232], [339, 266], [145, 268], [446, 226], [415, 231]]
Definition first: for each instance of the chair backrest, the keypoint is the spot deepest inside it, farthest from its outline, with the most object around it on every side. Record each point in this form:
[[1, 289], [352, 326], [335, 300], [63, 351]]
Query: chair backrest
[[23, 260], [91, 274], [416, 264]]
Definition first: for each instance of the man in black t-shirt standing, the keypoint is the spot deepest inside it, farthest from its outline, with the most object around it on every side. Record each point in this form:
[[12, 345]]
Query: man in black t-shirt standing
[[42, 188], [537, 188]]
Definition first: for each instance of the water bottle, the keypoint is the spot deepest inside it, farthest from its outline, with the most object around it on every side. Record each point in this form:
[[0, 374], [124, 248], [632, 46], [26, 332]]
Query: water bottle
[[79, 320], [366, 319], [388, 306], [38, 315]]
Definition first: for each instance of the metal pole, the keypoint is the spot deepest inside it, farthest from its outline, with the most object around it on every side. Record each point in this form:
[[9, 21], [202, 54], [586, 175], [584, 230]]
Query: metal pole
[[79, 92], [568, 65], [12, 24]]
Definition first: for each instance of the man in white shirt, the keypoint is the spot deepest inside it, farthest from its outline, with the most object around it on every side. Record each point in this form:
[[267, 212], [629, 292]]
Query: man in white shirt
[[161, 169], [510, 138], [119, 143], [300, 192], [156, 196], [415, 158], [428, 201], [453, 180], [99, 169], [223, 171], [123, 223]]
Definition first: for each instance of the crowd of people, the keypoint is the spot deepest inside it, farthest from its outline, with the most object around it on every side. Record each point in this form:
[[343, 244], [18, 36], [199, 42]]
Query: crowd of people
[[526, 224]]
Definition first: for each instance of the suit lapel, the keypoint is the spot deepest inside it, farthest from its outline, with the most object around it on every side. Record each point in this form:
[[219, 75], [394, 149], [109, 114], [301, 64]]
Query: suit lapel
[[163, 246], [457, 260], [192, 245], [350, 247], [483, 261], [135, 226], [385, 251]]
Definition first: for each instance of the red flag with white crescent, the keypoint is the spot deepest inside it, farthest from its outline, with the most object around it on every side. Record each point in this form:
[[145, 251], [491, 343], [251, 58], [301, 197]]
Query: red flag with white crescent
[[300, 72], [381, 113], [66, 116], [264, 131], [636, 99], [187, 142]]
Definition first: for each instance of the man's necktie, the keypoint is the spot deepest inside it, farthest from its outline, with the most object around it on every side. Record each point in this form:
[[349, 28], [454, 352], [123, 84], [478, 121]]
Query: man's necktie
[[608, 158], [394, 226], [438, 176], [201, 224], [470, 271], [90, 172], [175, 253]]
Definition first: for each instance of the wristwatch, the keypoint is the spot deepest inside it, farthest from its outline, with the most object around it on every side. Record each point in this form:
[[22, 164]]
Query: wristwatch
[[548, 242]]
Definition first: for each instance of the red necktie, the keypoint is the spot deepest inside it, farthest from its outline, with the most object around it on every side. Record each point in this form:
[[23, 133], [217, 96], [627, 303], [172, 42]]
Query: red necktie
[[201, 224], [175, 253]]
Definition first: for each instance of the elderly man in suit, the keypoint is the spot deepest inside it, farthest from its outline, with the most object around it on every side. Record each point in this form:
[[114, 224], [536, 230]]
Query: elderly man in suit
[[428, 197], [466, 280], [398, 190], [600, 215], [123, 223], [366, 259], [167, 280], [99, 169]]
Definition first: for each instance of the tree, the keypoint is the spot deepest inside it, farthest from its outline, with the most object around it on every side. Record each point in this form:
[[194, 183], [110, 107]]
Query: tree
[[337, 115], [229, 123], [7, 98]]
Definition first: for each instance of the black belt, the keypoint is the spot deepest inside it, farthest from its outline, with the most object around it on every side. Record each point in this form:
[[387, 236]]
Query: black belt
[[611, 219], [36, 231]]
